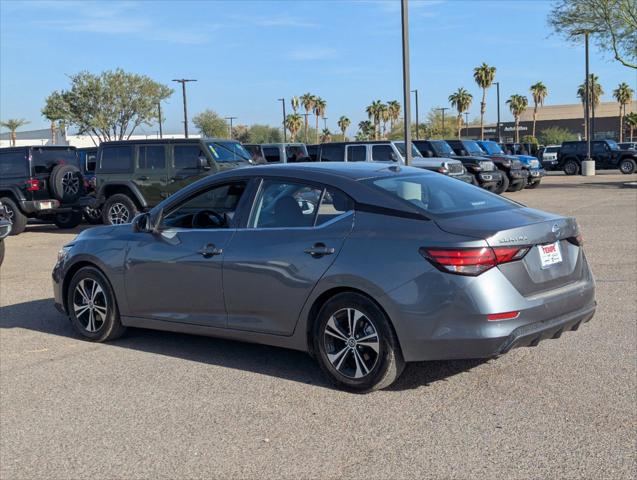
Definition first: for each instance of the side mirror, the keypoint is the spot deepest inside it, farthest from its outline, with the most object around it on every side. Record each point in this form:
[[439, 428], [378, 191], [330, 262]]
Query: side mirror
[[148, 222], [463, 153], [202, 163]]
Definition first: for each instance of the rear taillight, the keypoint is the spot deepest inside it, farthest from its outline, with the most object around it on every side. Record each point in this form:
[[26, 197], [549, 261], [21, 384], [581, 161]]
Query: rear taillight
[[577, 240], [471, 261], [33, 185], [495, 317]]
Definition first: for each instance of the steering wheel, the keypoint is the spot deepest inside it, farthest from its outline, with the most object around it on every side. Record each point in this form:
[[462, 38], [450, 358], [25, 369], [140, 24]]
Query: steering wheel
[[208, 219]]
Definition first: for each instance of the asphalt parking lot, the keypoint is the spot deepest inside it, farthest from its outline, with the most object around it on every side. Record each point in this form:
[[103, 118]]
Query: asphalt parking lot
[[161, 405]]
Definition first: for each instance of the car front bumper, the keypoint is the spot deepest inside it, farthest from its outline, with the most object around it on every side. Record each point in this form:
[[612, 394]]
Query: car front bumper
[[549, 164], [486, 179], [536, 174], [464, 177]]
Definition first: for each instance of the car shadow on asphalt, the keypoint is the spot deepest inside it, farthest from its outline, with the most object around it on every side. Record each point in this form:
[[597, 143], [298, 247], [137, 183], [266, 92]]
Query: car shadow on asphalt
[[39, 227], [41, 316], [594, 185]]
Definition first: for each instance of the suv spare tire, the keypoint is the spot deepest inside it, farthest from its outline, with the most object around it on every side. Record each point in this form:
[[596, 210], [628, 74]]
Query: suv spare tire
[[66, 183]]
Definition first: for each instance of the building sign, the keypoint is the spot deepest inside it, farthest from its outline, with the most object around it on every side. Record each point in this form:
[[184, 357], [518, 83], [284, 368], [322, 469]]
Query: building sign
[[512, 129]]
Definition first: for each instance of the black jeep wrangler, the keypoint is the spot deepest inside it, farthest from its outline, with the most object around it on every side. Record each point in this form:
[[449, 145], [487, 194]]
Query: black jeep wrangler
[[135, 175], [606, 153], [41, 182]]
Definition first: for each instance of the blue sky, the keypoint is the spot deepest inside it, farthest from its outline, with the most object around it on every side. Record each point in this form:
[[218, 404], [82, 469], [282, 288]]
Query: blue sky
[[246, 54]]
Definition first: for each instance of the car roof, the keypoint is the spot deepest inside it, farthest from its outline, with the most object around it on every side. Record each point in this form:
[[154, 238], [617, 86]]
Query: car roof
[[165, 140], [364, 142]]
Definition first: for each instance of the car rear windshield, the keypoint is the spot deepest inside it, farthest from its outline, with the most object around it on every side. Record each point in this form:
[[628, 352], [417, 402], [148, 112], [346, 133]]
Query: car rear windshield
[[437, 195], [44, 159], [228, 152]]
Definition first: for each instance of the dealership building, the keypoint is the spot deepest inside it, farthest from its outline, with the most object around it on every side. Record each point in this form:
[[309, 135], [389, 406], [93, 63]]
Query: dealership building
[[569, 117]]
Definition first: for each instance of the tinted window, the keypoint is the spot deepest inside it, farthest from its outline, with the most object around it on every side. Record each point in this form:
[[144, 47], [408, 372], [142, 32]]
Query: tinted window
[[356, 153], [271, 154], [43, 160], [187, 156], [152, 157], [599, 147], [383, 153], [295, 153], [13, 164], [439, 195], [332, 153], [117, 159], [285, 205], [90, 161], [229, 152], [334, 203]]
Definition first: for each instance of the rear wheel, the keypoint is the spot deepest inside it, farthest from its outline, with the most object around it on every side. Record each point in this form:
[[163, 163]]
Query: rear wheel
[[92, 215], [18, 219], [502, 185], [627, 166], [92, 306], [68, 219], [355, 344], [118, 209], [66, 183], [571, 167]]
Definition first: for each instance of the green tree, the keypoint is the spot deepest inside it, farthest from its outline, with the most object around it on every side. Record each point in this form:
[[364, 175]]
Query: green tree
[[210, 124], [343, 123], [258, 133], [517, 104], [539, 93], [109, 106], [384, 115], [319, 110], [13, 124], [55, 111], [308, 101], [612, 24], [394, 112], [293, 123], [484, 75], [596, 93], [631, 121], [432, 126], [461, 100], [374, 113], [366, 130], [623, 94], [326, 135], [241, 133], [555, 136]]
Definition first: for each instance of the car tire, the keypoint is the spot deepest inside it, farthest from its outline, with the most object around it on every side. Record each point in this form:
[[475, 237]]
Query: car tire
[[18, 219], [92, 215], [517, 187], [502, 185], [118, 209], [68, 219], [349, 363], [1, 251], [534, 184], [571, 167], [92, 306], [627, 166], [66, 183]]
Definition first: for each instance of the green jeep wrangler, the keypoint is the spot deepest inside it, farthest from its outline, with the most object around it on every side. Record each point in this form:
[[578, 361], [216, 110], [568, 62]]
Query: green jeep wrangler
[[135, 175]]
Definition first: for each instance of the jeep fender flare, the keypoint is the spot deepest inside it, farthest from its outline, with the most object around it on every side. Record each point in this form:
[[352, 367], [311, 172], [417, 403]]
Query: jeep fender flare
[[122, 185], [12, 191]]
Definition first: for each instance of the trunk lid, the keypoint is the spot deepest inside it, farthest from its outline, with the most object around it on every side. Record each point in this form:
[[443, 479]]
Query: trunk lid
[[526, 227]]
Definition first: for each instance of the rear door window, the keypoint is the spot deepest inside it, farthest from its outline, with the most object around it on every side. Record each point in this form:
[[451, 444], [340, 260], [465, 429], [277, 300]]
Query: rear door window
[[151, 157], [332, 153], [116, 159], [187, 156], [383, 153], [272, 154], [356, 153], [13, 164]]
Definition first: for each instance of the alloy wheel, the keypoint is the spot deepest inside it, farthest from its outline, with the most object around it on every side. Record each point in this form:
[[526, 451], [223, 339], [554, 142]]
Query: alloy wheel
[[118, 214], [10, 214], [70, 183], [90, 304], [352, 343], [93, 213]]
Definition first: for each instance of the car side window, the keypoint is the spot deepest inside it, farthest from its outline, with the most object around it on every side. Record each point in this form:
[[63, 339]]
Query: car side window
[[332, 153], [186, 156], [116, 159], [13, 164], [285, 204], [212, 208], [333, 205], [271, 154], [151, 157], [356, 153], [383, 153]]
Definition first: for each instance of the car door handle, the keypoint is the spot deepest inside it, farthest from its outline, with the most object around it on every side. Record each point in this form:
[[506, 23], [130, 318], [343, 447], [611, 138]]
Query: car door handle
[[143, 178], [210, 251], [319, 250]]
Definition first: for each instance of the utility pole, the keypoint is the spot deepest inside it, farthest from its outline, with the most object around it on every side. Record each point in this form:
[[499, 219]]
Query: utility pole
[[231, 119], [183, 82], [442, 109], [161, 135], [588, 165], [404, 10], [497, 84], [417, 128], [285, 134], [466, 123]]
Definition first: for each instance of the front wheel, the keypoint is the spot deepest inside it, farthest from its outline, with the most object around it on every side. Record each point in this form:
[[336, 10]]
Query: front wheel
[[118, 209], [92, 307], [502, 185], [68, 219], [17, 218], [627, 166], [355, 344], [571, 167], [534, 184], [92, 215]]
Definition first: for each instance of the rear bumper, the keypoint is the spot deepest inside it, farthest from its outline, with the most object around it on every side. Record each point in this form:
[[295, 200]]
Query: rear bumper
[[52, 206]]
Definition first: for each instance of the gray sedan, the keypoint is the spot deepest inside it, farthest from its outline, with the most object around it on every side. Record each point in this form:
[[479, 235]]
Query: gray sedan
[[364, 266]]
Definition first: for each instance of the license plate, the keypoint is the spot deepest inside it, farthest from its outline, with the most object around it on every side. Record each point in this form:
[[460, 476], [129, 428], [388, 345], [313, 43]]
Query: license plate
[[46, 205], [550, 254]]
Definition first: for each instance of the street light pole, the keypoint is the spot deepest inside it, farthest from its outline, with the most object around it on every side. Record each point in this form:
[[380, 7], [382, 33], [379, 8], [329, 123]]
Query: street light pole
[[442, 109], [324, 123], [161, 135], [497, 84], [466, 123], [417, 127], [588, 165], [183, 82], [231, 119], [285, 134], [404, 10]]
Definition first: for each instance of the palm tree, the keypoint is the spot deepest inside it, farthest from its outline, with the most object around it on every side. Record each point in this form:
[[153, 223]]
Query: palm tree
[[631, 121], [596, 93], [366, 129], [394, 112], [326, 135], [383, 114], [517, 105], [484, 76], [373, 112], [295, 103], [623, 94], [539, 92], [343, 123], [461, 101], [319, 110], [307, 100], [293, 123], [13, 124]]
